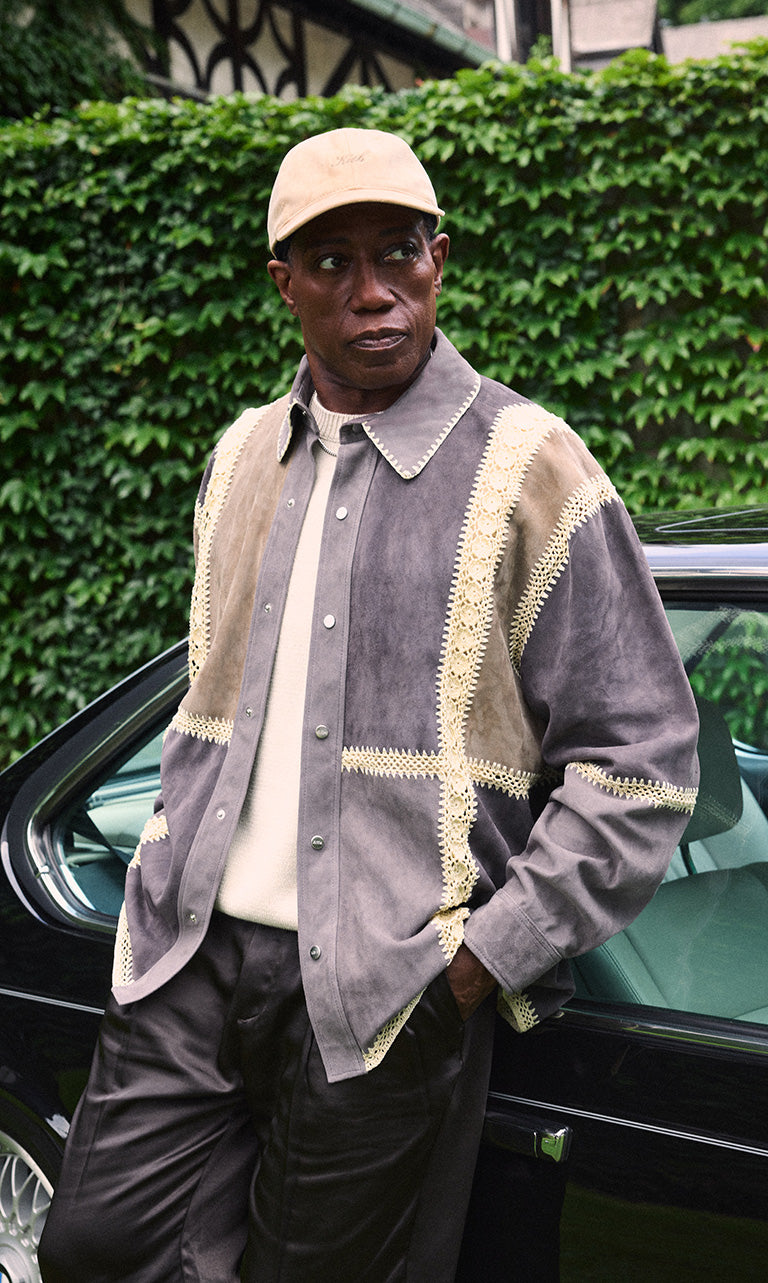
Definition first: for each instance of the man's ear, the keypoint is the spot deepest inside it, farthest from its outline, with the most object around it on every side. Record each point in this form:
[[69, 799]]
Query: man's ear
[[281, 275], [438, 248]]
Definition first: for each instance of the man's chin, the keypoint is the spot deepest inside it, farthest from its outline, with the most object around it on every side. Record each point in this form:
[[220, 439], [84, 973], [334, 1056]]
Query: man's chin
[[393, 368]]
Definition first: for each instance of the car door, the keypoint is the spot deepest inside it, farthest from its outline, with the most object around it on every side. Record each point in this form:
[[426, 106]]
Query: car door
[[646, 1103], [72, 810]]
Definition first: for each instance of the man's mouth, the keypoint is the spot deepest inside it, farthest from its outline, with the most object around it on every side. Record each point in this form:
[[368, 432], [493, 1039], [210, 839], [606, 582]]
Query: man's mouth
[[378, 340]]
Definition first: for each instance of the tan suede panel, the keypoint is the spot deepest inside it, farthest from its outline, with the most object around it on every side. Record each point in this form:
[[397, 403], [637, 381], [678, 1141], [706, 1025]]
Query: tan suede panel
[[560, 465], [500, 728], [226, 578]]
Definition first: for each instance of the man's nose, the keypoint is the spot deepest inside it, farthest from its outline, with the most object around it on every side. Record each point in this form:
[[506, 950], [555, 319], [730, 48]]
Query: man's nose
[[370, 290]]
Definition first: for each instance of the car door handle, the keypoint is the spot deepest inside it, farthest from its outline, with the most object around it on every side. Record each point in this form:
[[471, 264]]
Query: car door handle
[[535, 1138]]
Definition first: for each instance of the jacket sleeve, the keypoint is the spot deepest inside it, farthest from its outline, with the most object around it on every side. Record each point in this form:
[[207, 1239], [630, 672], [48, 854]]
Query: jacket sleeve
[[602, 675], [155, 831]]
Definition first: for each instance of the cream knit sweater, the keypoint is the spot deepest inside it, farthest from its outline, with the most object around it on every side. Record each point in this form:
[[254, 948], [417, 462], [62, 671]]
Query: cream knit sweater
[[259, 881]]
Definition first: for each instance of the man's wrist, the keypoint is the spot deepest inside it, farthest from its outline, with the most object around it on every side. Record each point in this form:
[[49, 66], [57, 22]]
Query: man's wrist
[[470, 981]]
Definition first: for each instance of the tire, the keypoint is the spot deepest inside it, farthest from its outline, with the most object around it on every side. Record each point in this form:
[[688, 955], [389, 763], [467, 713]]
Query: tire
[[27, 1173]]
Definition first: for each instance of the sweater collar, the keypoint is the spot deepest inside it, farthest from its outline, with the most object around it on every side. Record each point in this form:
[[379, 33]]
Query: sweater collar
[[411, 430]]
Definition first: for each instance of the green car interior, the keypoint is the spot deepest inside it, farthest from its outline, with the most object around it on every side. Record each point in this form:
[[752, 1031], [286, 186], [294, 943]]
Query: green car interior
[[701, 945]]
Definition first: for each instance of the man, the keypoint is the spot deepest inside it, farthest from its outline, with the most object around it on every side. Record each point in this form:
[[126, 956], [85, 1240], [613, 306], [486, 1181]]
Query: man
[[437, 740]]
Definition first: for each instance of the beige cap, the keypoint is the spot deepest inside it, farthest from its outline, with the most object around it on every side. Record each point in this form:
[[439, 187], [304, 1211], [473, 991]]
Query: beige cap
[[345, 167]]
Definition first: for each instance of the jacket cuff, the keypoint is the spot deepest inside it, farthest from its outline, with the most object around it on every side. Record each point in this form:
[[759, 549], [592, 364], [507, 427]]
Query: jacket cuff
[[507, 943]]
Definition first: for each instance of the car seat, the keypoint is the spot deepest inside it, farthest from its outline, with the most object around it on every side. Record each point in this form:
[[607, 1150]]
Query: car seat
[[700, 945]]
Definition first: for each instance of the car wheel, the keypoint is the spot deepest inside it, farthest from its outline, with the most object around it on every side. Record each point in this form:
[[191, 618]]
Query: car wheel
[[25, 1196]]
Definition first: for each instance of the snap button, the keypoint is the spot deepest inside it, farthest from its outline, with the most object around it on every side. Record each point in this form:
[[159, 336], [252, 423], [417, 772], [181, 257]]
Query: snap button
[[322, 732], [267, 607], [329, 621], [220, 813], [249, 712], [192, 918], [290, 503], [317, 842], [341, 513], [315, 952]]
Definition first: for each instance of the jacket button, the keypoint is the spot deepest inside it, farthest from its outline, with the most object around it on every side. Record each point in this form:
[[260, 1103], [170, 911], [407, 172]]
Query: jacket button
[[317, 842], [329, 621], [322, 732], [315, 952]]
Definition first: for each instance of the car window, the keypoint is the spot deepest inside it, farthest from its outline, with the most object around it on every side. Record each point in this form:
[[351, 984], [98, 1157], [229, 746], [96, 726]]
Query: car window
[[97, 835], [701, 945]]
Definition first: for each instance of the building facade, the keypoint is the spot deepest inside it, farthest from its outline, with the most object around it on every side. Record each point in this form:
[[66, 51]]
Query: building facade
[[291, 49], [294, 48]]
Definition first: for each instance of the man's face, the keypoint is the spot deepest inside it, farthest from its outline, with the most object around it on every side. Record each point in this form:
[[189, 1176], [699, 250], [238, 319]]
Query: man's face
[[363, 281]]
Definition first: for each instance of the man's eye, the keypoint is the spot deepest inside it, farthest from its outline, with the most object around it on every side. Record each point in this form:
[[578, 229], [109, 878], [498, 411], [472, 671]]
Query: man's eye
[[330, 262], [401, 253]]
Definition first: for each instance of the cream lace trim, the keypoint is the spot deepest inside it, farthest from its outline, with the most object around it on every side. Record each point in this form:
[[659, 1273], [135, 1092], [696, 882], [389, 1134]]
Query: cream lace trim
[[122, 960], [407, 473], [217, 730], [514, 783], [655, 794], [580, 506], [381, 1044], [155, 829], [518, 1010], [206, 520], [397, 762]]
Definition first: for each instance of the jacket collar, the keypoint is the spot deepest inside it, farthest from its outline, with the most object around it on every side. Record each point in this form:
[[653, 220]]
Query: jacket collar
[[411, 430]]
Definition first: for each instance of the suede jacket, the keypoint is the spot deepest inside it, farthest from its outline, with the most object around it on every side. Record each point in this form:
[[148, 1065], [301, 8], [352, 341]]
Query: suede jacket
[[499, 740]]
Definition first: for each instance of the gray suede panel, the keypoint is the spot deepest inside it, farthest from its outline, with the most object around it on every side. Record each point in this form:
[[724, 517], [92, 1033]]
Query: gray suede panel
[[401, 588], [390, 886]]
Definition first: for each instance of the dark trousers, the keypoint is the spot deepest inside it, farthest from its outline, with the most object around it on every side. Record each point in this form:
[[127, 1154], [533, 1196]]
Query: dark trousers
[[210, 1147]]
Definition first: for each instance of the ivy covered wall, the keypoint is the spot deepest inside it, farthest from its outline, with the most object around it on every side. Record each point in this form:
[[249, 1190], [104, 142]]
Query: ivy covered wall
[[609, 259]]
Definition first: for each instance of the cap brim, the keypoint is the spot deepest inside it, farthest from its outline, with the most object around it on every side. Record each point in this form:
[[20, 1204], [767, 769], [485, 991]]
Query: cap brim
[[358, 196]]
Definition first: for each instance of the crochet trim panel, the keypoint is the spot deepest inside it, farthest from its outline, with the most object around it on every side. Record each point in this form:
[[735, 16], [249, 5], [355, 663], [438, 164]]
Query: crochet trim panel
[[581, 505], [517, 784], [399, 763], [381, 1044], [518, 1010], [122, 961], [655, 794], [216, 730], [155, 829], [514, 440]]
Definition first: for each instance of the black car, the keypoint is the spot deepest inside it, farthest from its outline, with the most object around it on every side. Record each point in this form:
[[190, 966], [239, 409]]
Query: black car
[[629, 1136]]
